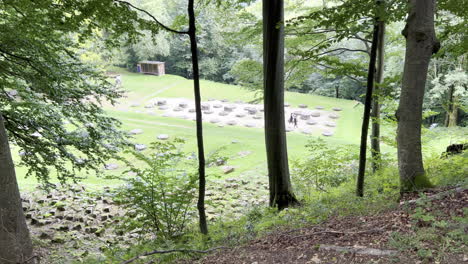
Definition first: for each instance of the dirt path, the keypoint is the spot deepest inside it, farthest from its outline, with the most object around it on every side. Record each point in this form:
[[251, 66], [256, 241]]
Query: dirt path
[[359, 239]]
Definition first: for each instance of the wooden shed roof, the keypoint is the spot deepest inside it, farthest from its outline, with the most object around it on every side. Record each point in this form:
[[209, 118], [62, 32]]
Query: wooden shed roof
[[151, 62]]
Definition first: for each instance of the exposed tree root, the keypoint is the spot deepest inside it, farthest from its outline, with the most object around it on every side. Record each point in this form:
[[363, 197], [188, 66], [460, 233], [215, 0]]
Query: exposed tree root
[[169, 251], [360, 250]]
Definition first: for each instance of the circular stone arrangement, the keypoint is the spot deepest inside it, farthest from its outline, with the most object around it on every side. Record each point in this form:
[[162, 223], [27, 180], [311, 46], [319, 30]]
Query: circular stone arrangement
[[163, 137]]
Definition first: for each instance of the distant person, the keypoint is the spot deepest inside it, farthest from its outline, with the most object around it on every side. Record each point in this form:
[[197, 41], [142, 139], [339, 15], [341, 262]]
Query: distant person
[[295, 121], [291, 119], [118, 81]]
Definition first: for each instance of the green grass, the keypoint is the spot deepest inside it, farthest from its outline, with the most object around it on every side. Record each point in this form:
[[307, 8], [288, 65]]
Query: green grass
[[141, 88]]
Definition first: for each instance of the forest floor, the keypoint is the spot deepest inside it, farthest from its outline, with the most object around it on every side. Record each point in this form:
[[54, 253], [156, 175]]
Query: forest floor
[[430, 227]]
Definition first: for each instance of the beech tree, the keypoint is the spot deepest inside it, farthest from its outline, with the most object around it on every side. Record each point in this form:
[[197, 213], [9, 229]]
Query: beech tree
[[281, 194], [50, 101], [421, 43]]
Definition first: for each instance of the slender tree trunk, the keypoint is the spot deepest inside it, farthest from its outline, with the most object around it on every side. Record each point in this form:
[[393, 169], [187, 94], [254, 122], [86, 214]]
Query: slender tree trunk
[[281, 194], [452, 112], [375, 114], [421, 43], [337, 91], [15, 243], [192, 32], [367, 108]]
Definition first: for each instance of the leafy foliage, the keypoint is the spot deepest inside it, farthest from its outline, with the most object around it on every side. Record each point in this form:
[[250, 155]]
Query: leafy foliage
[[162, 191], [325, 167]]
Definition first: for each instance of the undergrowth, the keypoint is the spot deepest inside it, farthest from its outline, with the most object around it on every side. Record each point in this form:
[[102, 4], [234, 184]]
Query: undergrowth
[[381, 193]]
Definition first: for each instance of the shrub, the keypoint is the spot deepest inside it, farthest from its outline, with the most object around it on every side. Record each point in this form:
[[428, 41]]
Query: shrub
[[162, 191], [326, 166]]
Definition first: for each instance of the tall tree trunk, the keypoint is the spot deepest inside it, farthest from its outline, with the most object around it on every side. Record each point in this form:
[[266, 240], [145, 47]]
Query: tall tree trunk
[[366, 117], [281, 194], [375, 114], [192, 32], [421, 43], [15, 243], [452, 111], [337, 91]]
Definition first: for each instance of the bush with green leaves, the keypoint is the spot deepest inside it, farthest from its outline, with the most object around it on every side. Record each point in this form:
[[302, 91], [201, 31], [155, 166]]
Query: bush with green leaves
[[161, 194], [325, 166]]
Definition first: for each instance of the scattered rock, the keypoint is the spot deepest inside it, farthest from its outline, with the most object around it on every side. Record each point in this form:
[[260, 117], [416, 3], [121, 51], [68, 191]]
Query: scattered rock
[[140, 147], [178, 109], [319, 107], [327, 133], [134, 104], [302, 106], [208, 112], [135, 131], [163, 107], [228, 169], [183, 105], [334, 116], [240, 115], [249, 124], [287, 104], [111, 166], [150, 105], [223, 113], [192, 110], [336, 109], [217, 105], [315, 114], [231, 122], [225, 100], [163, 137], [214, 120], [311, 122]]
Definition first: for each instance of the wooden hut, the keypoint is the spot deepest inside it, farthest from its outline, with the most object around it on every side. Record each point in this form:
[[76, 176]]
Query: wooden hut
[[151, 67]]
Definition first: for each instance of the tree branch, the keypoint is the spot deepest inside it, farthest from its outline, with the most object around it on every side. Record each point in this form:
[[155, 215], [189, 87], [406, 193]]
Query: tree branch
[[170, 251], [152, 17]]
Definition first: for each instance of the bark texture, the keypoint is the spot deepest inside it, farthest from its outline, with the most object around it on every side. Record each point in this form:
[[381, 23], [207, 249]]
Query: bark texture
[[192, 32], [451, 116], [367, 109], [375, 114], [15, 243], [421, 43], [281, 194]]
